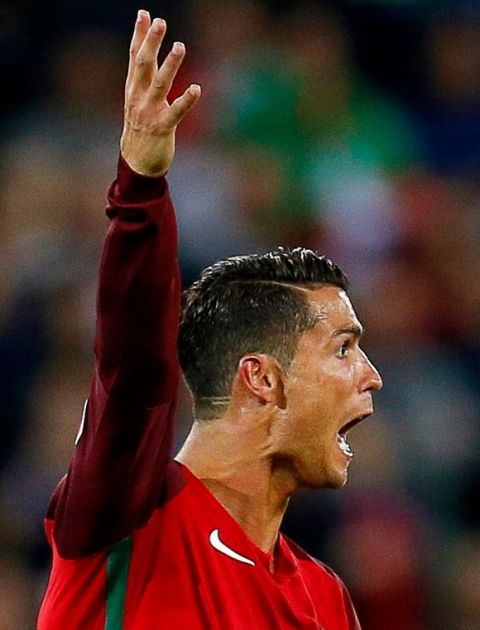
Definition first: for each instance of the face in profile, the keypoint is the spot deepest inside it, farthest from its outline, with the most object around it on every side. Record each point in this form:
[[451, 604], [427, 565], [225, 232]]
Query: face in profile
[[328, 389]]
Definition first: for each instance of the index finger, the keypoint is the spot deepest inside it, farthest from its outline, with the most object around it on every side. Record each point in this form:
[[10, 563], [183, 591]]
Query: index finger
[[142, 24]]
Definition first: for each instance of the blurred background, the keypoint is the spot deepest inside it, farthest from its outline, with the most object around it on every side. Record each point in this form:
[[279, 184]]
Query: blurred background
[[351, 127]]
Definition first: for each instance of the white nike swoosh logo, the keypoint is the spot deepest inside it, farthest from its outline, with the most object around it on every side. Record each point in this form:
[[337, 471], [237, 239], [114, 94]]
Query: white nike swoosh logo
[[222, 548]]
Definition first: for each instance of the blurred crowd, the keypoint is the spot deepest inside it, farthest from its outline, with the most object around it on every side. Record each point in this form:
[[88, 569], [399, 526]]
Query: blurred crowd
[[351, 127]]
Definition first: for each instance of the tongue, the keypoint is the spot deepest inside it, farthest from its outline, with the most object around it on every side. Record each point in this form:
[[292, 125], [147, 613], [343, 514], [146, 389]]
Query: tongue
[[344, 446]]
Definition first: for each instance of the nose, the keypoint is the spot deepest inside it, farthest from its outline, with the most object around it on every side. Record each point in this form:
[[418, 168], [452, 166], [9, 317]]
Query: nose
[[371, 379]]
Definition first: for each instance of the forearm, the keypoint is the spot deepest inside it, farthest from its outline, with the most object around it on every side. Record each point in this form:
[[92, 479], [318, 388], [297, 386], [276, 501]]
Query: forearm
[[138, 294]]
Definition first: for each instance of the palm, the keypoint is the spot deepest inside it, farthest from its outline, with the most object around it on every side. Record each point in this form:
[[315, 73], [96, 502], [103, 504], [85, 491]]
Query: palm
[[148, 138]]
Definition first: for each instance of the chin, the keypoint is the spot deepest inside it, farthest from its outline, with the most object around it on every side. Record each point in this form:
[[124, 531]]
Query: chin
[[339, 481], [340, 477]]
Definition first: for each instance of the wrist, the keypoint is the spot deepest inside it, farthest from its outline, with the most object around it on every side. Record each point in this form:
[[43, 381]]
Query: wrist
[[151, 171], [135, 187], [146, 154]]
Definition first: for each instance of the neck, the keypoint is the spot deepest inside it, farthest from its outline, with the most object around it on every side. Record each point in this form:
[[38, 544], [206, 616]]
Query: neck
[[234, 461]]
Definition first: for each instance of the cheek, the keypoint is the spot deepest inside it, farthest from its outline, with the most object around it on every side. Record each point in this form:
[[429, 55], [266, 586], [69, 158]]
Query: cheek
[[335, 381], [305, 409], [314, 401], [340, 370], [313, 392], [310, 407]]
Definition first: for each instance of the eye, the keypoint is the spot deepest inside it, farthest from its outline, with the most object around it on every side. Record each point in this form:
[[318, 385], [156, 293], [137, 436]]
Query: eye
[[342, 351]]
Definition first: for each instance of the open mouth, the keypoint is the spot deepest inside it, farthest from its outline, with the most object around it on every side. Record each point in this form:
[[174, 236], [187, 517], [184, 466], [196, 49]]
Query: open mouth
[[343, 445]]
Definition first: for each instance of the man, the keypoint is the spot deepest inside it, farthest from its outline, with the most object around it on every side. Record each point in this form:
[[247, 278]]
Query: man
[[269, 346]]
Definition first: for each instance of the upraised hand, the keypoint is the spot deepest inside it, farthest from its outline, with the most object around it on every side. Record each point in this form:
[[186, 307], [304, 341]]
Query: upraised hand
[[148, 138]]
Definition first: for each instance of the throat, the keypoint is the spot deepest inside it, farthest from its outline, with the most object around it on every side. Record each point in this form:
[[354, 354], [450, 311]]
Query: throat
[[237, 469], [257, 516]]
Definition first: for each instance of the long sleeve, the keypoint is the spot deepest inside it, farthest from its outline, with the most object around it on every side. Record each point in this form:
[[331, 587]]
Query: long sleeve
[[124, 445]]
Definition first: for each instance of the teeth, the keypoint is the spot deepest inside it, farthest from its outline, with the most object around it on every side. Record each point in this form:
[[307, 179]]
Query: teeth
[[344, 446]]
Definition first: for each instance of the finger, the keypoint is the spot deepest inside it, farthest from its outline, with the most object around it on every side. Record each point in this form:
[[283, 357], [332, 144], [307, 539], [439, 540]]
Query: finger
[[182, 105], [163, 79], [146, 59], [142, 25]]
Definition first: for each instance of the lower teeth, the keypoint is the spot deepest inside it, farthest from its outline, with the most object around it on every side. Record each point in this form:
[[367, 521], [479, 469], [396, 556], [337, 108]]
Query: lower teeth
[[344, 446]]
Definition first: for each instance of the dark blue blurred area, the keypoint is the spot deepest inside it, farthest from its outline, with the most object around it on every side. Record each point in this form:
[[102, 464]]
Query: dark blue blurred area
[[351, 127]]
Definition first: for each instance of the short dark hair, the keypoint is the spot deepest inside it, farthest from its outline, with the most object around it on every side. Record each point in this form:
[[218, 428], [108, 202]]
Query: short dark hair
[[247, 304]]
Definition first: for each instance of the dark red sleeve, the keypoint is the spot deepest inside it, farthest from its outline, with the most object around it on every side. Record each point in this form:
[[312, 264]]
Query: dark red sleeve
[[120, 460]]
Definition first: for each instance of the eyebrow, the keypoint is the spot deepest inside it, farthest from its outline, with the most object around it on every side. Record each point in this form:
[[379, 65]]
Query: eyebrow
[[356, 331]]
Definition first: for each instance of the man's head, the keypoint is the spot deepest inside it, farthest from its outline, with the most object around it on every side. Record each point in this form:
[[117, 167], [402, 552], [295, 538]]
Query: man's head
[[279, 328], [243, 305]]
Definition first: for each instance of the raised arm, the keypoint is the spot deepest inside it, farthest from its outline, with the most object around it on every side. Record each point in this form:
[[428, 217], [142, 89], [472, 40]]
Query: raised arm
[[136, 337], [123, 447]]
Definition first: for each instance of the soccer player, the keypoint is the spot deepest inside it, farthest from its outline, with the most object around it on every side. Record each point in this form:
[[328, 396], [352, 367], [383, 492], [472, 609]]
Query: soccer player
[[269, 346]]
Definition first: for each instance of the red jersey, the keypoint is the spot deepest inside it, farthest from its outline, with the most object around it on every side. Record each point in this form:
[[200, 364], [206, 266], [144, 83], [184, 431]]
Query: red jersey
[[138, 541]]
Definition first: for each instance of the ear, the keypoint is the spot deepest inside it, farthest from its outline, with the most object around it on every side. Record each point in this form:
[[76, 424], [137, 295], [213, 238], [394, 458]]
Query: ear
[[263, 377]]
